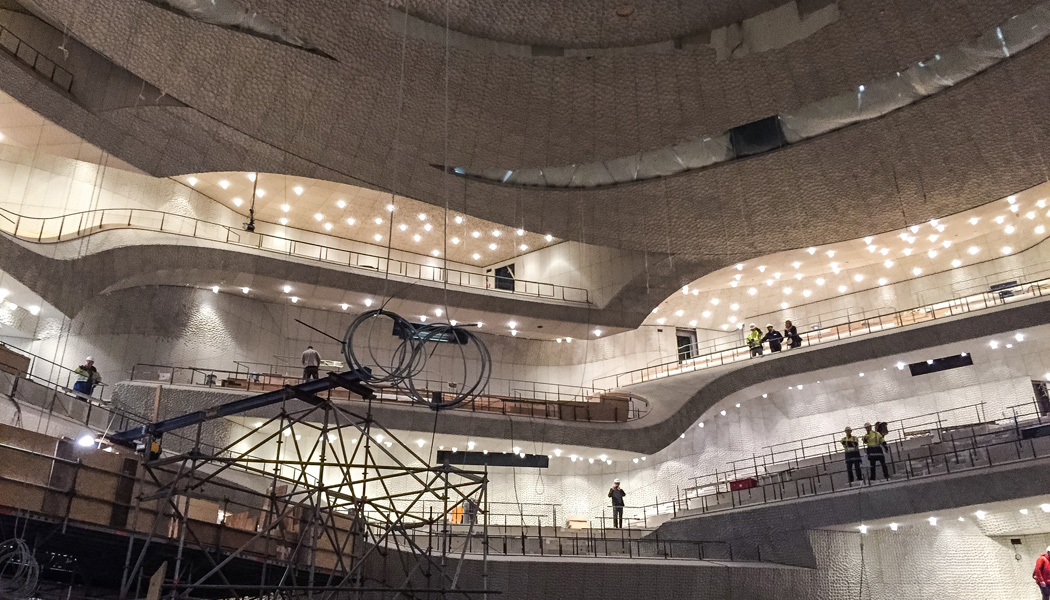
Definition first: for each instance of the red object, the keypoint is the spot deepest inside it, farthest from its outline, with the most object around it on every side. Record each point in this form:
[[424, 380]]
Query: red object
[[1042, 570], [750, 482]]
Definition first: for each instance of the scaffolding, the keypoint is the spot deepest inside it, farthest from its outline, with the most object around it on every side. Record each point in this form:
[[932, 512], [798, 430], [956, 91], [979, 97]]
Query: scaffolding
[[318, 501]]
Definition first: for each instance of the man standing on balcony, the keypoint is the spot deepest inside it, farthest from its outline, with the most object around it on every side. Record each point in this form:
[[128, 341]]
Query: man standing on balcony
[[851, 444], [1042, 574], [873, 441], [617, 494], [87, 377], [311, 362]]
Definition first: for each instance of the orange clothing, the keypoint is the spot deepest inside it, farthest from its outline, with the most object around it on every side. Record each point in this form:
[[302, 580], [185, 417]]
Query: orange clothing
[[457, 515], [1042, 569]]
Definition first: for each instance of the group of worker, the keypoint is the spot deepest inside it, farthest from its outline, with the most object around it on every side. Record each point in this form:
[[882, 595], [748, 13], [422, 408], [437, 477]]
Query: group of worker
[[756, 338], [875, 446]]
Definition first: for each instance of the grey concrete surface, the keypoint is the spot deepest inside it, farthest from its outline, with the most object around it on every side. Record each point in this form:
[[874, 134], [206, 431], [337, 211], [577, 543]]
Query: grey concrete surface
[[779, 532], [677, 401]]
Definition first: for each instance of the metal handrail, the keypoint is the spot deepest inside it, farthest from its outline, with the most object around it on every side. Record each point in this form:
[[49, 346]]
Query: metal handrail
[[850, 329], [91, 222], [570, 406], [958, 448]]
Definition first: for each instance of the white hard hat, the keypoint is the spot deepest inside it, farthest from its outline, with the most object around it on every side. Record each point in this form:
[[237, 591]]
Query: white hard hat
[[1048, 549], [90, 358], [867, 424], [753, 326], [769, 324], [618, 481]]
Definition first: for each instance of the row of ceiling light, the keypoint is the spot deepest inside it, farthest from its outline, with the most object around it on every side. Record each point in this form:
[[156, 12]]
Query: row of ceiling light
[[857, 278], [328, 225], [9, 306], [932, 520]]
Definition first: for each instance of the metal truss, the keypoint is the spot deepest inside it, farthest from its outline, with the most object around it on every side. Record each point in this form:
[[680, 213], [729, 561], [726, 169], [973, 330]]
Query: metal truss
[[318, 502]]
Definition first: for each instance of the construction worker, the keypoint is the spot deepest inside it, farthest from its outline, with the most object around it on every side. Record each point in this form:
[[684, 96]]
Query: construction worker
[[851, 444], [87, 377], [1042, 574], [754, 340], [873, 441]]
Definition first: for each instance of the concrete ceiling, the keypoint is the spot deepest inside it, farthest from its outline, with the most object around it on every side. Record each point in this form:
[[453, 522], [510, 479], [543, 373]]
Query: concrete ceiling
[[378, 115]]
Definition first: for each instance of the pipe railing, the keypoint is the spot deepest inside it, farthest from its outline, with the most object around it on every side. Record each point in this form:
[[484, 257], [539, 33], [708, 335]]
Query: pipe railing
[[938, 452], [569, 403], [819, 335], [74, 225]]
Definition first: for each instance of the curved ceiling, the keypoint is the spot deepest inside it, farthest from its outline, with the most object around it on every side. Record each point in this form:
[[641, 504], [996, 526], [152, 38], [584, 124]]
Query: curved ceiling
[[261, 106], [585, 23]]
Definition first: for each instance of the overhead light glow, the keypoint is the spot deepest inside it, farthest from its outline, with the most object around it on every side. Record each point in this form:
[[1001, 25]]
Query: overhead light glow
[[377, 237], [378, 220], [1007, 250], [549, 237], [192, 181], [980, 515], [389, 208], [344, 306], [455, 241], [298, 190], [33, 310], [295, 299], [285, 207], [1010, 229], [287, 289], [811, 251], [752, 291], [476, 256], [86, 440], [458, 220], [351, 221], [237, 202], [888, 264], [327, 226], [882, 281], [916, 271], [842, 289], [416, 237], [368, 302], [403, 227]]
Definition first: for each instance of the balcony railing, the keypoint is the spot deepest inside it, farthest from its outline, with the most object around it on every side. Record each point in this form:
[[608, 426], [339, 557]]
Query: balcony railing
[[66, 227], [822, 334], [503, 396]]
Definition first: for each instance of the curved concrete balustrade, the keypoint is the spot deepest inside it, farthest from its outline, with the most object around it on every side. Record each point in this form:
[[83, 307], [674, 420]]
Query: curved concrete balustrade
[[154, 260], [678, 402]]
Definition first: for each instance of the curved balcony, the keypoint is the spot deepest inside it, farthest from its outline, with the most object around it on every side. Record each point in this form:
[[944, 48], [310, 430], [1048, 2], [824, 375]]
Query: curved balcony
[[267, 238]]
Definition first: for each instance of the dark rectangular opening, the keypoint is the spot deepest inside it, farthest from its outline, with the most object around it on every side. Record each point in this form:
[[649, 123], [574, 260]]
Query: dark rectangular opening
[[941, 364], [493, 459], [505, 278], [757, 137]]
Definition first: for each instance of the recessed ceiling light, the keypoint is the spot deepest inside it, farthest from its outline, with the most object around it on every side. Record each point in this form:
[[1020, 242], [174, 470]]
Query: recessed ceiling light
[[868, 240], [973, 250], [416, 237], [882, 281], [733, 319], [692, 323], [811, 250], [872, 248], [389, 208], [427, 227], [237, 201], [403, 227], [661, 321], [956, 262], [1015, 208], [318, 217], [295, 299], [761, 268], [1040, 230], [458, 220], [884, 251], [831, 253], [298, 190], [341, 203], [492, 246], [344, 306], [932, 254], [455, 241], [283, 221], [734, 306], [1030, 214], [1009, 229], [523, 247], [475, 234], [888, 264], [907, 252], [796, 265], [787, 292], [858, 278], [327, 226], [245, 290], [820, 281], [752, 291], [422, 216], [260, 193], [806, 293], [351, 221], [974, 220], [914, 228], [377, 237], [1040, 204], [549, 237], [285, 207], [705, 314], [1000, 219], [422, 318], [495, 233], [476, 256], [224, 184], [287, 289], [435, 253], [715, 301], [192, 181], [842, 289], [438, 312], [378, 220], [1007, 250], [520, 232], [916, 271], [783, 305]]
